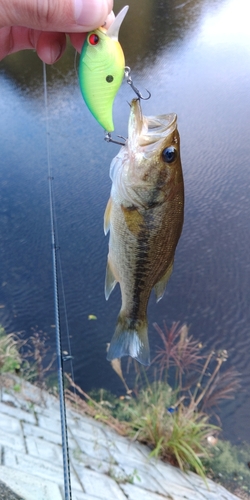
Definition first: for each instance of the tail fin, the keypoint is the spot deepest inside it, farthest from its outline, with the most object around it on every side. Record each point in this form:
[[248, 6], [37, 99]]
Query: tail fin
[[130, 339]]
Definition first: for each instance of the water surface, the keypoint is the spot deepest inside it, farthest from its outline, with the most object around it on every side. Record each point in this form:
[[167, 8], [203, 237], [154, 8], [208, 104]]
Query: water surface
[[194, 57]]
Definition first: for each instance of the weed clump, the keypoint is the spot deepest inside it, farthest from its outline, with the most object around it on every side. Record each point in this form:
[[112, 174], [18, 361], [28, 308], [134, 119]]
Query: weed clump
[[10, 359], [26, 357], [170, 405], [228, 465]]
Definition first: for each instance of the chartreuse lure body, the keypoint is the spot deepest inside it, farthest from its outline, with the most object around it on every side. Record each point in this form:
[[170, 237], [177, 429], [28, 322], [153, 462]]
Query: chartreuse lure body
[[101, 71]]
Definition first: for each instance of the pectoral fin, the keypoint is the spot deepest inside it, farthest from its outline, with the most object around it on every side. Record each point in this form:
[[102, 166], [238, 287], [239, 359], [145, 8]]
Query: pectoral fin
[[107, 216], [159, 288], [110, 280]]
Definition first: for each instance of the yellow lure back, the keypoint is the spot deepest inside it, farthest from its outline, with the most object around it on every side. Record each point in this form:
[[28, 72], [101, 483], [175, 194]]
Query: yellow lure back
[[101, 71]]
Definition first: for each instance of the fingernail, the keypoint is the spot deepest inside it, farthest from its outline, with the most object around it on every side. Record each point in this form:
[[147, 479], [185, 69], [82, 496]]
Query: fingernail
[[84, 13]]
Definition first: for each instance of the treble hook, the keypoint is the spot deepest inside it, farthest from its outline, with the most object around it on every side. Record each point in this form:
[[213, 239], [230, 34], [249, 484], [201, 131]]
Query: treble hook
[[135, 89], [108, 138]]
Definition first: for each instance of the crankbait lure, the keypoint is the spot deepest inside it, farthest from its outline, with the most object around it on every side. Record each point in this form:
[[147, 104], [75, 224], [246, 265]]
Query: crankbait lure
[[101, 70]]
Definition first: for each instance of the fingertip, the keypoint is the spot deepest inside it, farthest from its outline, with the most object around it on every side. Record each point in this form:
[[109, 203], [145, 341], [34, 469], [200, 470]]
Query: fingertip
[[109, 20], [51, 46], [92, 13], [77, 40]]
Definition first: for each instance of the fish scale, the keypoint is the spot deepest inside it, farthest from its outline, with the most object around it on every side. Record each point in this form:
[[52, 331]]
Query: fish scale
[[143, 235]]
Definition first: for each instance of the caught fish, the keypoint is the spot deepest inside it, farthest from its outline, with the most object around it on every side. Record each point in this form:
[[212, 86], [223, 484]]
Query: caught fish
[[145, 216], [101, 70]]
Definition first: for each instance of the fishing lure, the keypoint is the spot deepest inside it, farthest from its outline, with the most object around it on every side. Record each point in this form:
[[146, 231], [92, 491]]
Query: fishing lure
[[101, 70]]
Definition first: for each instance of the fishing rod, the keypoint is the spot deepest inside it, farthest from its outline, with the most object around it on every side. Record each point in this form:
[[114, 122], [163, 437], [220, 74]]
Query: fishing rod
[[60, 358]]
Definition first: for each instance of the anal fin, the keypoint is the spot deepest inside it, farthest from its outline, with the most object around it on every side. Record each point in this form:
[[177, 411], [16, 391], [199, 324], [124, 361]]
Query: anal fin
[[159, 288]]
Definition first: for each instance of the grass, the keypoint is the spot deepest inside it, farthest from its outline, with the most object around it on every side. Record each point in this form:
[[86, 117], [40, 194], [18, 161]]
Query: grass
[[229, 465], [25, 357], [10, 358], [172, 414]]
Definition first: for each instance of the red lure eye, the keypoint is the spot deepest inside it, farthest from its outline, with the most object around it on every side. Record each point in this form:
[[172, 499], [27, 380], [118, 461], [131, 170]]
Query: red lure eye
[[93, 39]]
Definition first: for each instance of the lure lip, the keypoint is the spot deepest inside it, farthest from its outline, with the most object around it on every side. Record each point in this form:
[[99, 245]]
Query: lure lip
[[113, 30]]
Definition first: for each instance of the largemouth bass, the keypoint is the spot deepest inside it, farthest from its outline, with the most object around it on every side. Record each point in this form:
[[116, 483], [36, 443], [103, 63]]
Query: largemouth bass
[[145, 216]]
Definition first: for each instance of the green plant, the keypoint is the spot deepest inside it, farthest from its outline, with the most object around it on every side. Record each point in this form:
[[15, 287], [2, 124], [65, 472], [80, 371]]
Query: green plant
[[33, 367], [174, 422], [169, 414], [158, 418], [17, 387], [10, 359], [229, 465], [147, 414], [123, 478], [188, 439]]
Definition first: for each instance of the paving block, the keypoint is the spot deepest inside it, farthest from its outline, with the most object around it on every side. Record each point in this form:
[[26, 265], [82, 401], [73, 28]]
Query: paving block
[[49, 423], [132, 462], [12, 400], [219, 493], [127, 459], [181, 489], [28, 486], [101, 486], [78, 495], [121, 449], [143, 449], [212, 491], [171, 474], [144, 479], [198, 482], [33, 394], [226, 495], [40, 468], [46, 435], [178, 492], [44, 450], [12, 441], [10, 424], [86, 430], [133, 492], [79, 457], [52, 413], [99, 466], [26, 416], [92, 449], [81, 419], [120, 441]]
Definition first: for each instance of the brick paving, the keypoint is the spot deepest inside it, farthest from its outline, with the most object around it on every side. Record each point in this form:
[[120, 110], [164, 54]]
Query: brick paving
[[104, 465]]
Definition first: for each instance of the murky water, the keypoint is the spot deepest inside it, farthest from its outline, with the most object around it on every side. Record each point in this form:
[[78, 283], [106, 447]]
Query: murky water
[[194, 57]]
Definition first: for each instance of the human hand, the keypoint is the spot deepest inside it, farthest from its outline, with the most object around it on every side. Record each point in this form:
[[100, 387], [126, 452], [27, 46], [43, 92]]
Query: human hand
[[43, 24]]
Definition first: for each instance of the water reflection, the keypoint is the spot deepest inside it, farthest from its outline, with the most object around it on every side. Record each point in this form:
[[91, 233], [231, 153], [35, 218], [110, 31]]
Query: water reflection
[[157, 25], [194, 60]]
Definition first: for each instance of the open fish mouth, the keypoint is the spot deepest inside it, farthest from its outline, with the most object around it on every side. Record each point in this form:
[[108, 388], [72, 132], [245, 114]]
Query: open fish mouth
[[147, 132]]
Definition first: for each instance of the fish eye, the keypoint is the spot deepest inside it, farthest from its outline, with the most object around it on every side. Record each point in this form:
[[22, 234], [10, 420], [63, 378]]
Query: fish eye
[[169, 154], [93, 39]]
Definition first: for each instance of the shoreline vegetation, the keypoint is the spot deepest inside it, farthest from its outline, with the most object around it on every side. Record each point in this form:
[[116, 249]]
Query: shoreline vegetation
[[171, 407]]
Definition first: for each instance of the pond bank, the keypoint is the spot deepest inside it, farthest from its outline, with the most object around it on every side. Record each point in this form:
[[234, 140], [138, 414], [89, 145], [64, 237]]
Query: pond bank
[[104, 465]]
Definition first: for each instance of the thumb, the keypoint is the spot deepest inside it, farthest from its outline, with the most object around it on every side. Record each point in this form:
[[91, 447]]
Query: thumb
[[55, 15]]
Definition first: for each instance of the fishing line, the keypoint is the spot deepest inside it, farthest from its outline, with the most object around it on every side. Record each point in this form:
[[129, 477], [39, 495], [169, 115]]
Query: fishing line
[[65, 448], [75, 63]]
